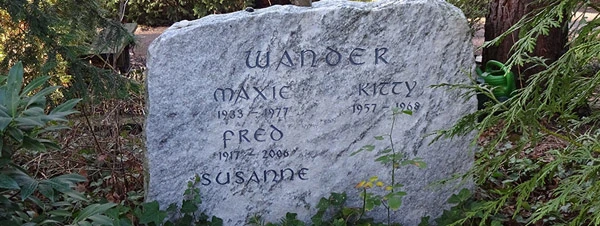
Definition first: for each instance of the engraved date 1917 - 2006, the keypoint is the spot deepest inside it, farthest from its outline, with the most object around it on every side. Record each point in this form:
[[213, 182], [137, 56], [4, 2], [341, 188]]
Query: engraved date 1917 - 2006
[[244, 154]]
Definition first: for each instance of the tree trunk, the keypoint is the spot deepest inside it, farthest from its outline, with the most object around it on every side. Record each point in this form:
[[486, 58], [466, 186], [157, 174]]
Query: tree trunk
[[505, 13]]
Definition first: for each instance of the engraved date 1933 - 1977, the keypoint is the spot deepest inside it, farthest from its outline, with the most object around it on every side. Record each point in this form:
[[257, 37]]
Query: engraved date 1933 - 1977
[[268, 112]]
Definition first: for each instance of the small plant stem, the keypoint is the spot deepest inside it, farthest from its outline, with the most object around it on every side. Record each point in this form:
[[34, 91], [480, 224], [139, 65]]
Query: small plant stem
[[89, 124], [393, 162], [565, 138], [364, 206]]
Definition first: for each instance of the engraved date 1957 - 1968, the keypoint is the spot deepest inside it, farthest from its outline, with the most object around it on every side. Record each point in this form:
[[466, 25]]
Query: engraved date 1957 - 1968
[[358, 108]]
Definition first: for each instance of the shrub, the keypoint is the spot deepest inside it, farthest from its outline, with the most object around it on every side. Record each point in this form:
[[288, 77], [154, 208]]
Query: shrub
[[51, 38], [23, 122], [166, 12], [523, 178]]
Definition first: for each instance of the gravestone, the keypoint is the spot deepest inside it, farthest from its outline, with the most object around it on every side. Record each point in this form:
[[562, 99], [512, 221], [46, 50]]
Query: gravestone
[[267, 106]]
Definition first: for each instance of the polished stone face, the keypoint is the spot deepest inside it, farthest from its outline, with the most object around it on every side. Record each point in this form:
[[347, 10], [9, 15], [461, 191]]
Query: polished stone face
[[266, 107]]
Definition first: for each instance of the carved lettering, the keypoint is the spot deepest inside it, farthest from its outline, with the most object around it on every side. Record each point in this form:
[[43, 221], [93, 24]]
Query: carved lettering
[[380, 56], [386, 88], [302, 173], [224, 94], [381, 88], [252, 93], [309, 57], [254, 178], [275, 134], [258, 177], [257, 62], [410, 89], [314, 58], [286, 56], [219, 182], [337, 55], [356, 52]]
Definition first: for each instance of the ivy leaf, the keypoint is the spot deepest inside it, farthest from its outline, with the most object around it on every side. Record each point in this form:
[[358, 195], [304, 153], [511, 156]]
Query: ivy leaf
[[188, 207], [216, 221], [395, 200], [152, 214]]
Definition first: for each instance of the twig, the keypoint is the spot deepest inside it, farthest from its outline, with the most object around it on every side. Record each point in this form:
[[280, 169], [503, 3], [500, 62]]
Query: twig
[[89, 124]]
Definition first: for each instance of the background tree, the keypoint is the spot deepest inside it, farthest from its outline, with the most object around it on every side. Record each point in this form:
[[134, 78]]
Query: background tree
[[504, 14], [50, 38]]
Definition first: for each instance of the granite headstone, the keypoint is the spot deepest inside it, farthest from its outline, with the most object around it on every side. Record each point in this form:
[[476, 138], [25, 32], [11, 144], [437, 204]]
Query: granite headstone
[[266, 106]]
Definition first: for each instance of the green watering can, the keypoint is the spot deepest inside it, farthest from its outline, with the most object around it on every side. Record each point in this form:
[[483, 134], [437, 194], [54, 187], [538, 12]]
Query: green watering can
[[499, 78]]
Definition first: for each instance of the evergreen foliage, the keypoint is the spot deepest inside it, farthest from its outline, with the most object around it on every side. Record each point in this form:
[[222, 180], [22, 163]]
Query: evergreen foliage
[[474, 10], [520, 181], [166, 12], [52, 38]]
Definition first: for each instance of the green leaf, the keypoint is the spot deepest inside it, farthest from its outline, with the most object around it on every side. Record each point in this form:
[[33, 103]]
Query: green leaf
[[379, 138], [70, 178], [8, 183], [101, 219], [40, 97], [188, 207], [34, 111], [34, 84], [385, 151], [74, 194], [65, 107], [92, 210], [384, 159], [53, 128], [323, 204], [424, 221], [368, 147], [215, 221], [61, 213], [462, 196], [15, 133], [46, 190], [33, 144], [29, 121], [5, 119], [338, 199], [13, 88], [395, 200], [28, 187], [152, 213], [4, 161]]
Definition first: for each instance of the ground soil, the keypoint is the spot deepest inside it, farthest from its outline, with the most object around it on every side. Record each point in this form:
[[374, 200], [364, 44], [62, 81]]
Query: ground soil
[[144, 36]]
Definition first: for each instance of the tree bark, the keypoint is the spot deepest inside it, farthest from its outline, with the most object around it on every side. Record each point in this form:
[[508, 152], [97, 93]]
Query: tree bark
[[505, 13]]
